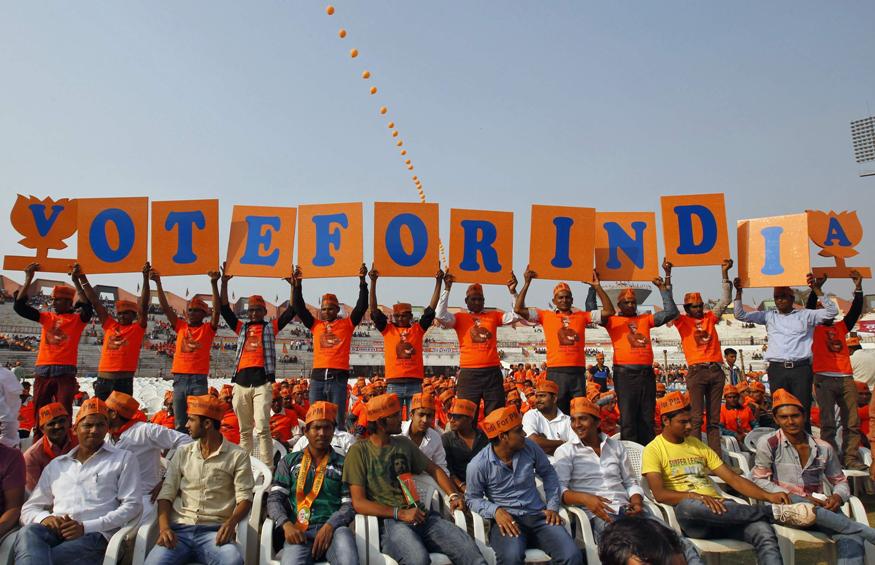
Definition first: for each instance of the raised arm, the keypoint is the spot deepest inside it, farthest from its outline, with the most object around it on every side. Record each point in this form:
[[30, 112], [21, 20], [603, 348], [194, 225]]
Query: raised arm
[[738, 309], [361, 305], [289, 313], [856, 308], [145, 297], [442, 313], [217, 308], [298, 299], [510, 316], [84, 287], [86, 309], [227, 313], [20, 306], [520, 305], [669, 308], [726, 286], [427, 318], [172, 319], [830, 310], [607, 305], [377, 315]]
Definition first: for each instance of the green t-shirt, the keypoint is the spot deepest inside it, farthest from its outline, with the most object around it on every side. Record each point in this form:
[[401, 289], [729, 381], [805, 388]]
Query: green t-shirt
[[331, 495], [377, 468]]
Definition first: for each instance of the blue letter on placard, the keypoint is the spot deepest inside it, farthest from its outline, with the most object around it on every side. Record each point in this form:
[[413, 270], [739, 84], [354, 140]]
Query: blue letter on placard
[[185, 234], [258, 237], [686, 245], [835, 231], [43, 222], [619, 239], [99, 242], [327, 237], [393, 239], [561, 258], [479, 237], [772, 259]]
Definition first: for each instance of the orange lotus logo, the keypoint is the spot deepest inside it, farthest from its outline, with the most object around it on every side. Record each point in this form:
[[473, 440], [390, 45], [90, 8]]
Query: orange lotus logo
[[837, 234], [45, 224]]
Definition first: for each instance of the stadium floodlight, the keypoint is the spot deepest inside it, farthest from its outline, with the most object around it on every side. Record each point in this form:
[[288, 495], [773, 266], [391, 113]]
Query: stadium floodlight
[[863, 138]]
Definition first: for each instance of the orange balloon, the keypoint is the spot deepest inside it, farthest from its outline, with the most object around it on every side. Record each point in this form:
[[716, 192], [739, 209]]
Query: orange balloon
[[404, 152], [391, 125], [366, 74], [414, 177], [342, 33], [395, 133], [400, 143], [409, 167], [407, 162], [383, 109], [373, 90], [354, 53], [329, 10]]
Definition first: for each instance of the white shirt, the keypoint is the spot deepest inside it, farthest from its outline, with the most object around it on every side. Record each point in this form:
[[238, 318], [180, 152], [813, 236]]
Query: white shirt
[[341, 442], [10, 405], [609, 476], [146, 441], [103, 493], [863, 363], [431, 446], [558, 428]]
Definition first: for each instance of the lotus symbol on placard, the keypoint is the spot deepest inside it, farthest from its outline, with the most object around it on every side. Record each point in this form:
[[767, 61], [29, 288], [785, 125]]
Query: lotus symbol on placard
[[837, 233], [46, 223]]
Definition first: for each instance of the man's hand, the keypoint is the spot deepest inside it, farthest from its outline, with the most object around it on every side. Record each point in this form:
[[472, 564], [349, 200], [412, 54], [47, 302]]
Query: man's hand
[[598, 505], [167, 539], [636, 505], [596, 282], [72, 530], [374, 274], [778, 498], [147, 267], [659, 283], [214, 276], [226, 533], [457, 503], [31, 269], [297, 275], [153, 494], [833, 503], [736, 282], [529, 275], [413, 516], [715, 505], [816, 283], [725, 266], [225, 276], [666, 267], [154, 276], [323, 540], [449, 279], [292, 534], [53, 523], [363, 272], [506, 524], [75, 271], [858, 279], [511, 283], [439, 275], [553, 518]]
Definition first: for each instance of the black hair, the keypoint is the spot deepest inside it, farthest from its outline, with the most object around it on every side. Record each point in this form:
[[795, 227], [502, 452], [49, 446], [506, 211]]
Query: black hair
[[647, 539], [729, 350], [670, 415]]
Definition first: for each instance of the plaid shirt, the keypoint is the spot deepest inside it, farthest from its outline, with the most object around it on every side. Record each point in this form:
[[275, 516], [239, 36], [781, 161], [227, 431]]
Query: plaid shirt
[[777, 467]]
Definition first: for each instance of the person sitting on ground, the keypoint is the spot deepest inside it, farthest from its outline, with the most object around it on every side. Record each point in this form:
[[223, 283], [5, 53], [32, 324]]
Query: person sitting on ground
[[463, 441], [420, 429], [309, 482], [677, 466], [501, 487], [57, 439], [207, 491], [547, 426], [82, 497]]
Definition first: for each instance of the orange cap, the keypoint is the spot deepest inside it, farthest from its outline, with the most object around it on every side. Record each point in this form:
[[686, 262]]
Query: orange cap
[[463, 407], [782, 398], [592, 390], [548, 386], [729, 389], [168, 395], [256, 301], [330, 298], [583, 405], [227, 389], [91, 406], [125, 306], [207, 406], [513, 395], [693, 298], [51, 411], [501, 420], [626, 294], [64, 291], [446, 395], [672, 402], [757, 386], [213, 391], [475, 288], [660, 387], [401, 307], [382, 406], [423, 401], [198, 304], [561, 287], [124, 404], [321, 410]]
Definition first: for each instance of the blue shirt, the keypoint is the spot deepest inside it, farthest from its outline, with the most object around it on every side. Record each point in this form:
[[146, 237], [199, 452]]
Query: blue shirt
[[790, 335], [491, 484]]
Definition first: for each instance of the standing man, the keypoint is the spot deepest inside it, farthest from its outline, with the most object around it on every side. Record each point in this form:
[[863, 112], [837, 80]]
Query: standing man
[[254, 368], [122, 338], [600, 373], [332, 337], [402, 341], [701, 346], [56, 440], [194, 341], [634, 379], [55, 372], [733, 373], [420, 429], [547, 426], [480, 375], [463, 441], [564, 331], [791, 337]]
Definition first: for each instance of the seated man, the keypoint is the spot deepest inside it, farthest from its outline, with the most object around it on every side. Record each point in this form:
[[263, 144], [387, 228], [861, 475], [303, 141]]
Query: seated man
[[207, 491], [736, 420], [164, 417], [420, 429], [284, 426], [676, 467], [82, 497], [463, 441], [778, 468], [379, 471], [547, 426], [57, 439], [11, 487], [501, 487], [595, 473], [309, 483]]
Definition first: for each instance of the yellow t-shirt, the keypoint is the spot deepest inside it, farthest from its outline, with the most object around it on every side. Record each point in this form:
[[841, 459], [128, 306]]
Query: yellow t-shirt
[[684, 466]]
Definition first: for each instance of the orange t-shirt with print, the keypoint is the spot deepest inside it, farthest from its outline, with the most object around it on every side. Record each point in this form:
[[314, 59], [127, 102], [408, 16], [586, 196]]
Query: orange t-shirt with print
[[564, 334], [59, 342], [630, 336], [478, 338], [193, 344], [121, 346], [402, 350], [699, 339], [331, 342], [738, 420], [830, 351], [253, 348]]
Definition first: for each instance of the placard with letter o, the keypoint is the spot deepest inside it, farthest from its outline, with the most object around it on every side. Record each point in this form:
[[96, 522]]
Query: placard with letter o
[[113, 234], [406, 239]]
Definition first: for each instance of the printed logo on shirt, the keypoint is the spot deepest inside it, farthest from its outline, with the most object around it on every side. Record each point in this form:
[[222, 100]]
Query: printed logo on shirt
[[253, 343], [116, 340], [404, 349], [329, 339], [701, 335], [189, 343], [479, 334], [833, 344], [566, 334], [55, 335], [636, 339]]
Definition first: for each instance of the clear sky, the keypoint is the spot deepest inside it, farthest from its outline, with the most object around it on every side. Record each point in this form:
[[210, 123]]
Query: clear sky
[[501, 105]]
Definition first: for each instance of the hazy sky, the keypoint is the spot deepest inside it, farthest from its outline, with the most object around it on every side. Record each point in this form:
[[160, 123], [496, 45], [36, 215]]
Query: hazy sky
[[501, 105]]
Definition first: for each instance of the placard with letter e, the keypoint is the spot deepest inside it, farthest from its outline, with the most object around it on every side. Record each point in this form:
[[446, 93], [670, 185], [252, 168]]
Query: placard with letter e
[[261, 241]]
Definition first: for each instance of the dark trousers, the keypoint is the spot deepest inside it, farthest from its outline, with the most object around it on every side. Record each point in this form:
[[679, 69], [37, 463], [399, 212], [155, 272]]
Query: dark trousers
[[841, 391], [636, 398], [535, 532], [705, 385], [486, 383], [46, 390], [797, 380], [571, 383], [185, 385], [751, 524], [330, 385], [104, 387]]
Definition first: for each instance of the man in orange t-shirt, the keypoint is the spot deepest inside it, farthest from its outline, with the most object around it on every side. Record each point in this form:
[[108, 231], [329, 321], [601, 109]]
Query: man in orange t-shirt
[[701, 346], [564, 330], [122, 338], [55, 371], [735, 419], [283, 424], [194, 341], [480, 375], [634, 379], [164, 417], [332, 338], [402, 341]]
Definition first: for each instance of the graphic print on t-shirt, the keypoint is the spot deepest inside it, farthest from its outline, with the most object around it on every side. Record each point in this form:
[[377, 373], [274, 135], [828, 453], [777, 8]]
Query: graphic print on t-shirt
[[404, 349], [566, 334], [252, 340], [479, 334], [637, 340], [701, 335], [189, 343], [329, 339], [832, 343], [116, 340], [55, 335]]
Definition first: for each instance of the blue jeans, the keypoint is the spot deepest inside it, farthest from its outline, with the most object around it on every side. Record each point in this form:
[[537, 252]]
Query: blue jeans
[[410, 545], [38, 545], [751, 524], [185, 385], [341, 550], [552, 540], [332, 389], [405, 389], [847, 534], [690, 552], [196, 543]]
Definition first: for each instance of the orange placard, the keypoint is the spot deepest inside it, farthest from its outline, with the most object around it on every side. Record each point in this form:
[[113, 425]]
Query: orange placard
[[113, 234], [625, 246], [837, 234], [261, 241], [44, 224], [185, 236], [406, 239], [561, 242], [481, 246], [773, 251], [330, 240], [694, 229]]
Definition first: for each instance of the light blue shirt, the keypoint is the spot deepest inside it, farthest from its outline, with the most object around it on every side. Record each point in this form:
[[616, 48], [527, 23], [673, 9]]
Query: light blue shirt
[[491, 484], [790, 335]]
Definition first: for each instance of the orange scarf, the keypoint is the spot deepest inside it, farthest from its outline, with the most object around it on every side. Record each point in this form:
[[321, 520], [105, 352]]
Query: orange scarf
[[138, 417]]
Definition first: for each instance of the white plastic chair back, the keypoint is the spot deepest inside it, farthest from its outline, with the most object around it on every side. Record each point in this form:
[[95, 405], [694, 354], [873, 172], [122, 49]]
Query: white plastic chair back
[[753, 437]]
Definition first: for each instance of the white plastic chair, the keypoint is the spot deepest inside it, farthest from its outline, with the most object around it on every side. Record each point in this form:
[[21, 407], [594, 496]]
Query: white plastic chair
[[121, 542], [267, 556], [583, 533], [753, 437], [147, 536]]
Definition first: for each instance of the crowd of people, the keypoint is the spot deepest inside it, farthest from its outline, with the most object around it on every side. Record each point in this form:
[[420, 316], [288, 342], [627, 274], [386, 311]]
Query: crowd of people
[[511, 447]]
